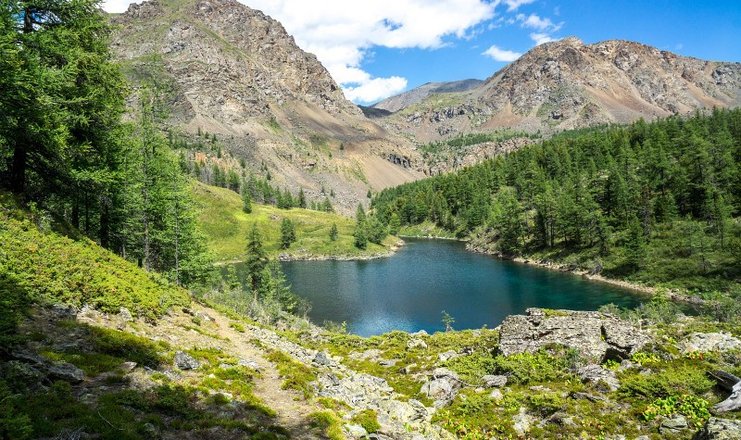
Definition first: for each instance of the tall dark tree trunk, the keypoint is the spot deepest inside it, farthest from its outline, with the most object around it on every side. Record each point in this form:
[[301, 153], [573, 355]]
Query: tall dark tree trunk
[[105, 223]]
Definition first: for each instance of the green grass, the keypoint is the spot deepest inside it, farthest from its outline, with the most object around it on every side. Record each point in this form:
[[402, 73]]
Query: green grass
[[296, 375], [424, 230], [226, 227], [54, 268]]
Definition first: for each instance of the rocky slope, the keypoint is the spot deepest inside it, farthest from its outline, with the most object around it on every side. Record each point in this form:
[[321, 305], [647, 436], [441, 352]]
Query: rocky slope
[[569, 84], [404, 100], [231, 71]]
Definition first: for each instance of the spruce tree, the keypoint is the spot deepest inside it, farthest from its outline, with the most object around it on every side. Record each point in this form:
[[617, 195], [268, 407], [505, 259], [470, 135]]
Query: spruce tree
[[256, 260], [287, 233], [333, 232]]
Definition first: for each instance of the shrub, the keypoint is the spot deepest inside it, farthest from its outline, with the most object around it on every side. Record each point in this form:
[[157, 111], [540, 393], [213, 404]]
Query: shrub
[[527, 368], [368, 419], [692, 407]]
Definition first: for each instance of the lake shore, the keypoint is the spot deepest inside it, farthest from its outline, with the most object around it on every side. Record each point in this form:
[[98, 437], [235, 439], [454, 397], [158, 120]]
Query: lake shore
[[305, 256]]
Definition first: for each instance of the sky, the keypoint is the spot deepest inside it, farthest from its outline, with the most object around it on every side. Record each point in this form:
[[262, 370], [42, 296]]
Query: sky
[[379, 48]]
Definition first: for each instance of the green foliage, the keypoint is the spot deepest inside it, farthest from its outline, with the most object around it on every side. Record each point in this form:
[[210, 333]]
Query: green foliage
[[246, 203], [368, 419], [678, 377], [53, 268], [328, 422], [126, 346], [693, 407], [14, 302], [532, 368], [295, 375], [333, 232]]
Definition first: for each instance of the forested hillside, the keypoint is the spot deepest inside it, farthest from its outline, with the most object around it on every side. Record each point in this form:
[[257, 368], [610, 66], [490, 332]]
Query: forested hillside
[[656, 203]]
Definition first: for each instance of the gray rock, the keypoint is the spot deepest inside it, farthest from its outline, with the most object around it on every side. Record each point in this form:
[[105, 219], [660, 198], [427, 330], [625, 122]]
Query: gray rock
[[598, 375], [706, 342], [184, 361], [521, 422], [496, 394], [356, 431], [127, 367], [719, 429], [442, 391], [65, 371], [448, 355], [596, 336], [416, 343], [322, 358], [249, 364], [673, 425], [439, 373], [125, 315], [388, 362], [494, 381]]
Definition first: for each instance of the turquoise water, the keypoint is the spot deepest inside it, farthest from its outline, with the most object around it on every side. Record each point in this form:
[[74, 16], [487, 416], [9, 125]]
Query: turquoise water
[[409, 290]]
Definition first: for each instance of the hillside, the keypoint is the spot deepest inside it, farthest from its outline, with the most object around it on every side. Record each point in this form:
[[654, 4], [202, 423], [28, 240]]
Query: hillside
[[222, 68], [226, 227], [201, 371], [568, 84]]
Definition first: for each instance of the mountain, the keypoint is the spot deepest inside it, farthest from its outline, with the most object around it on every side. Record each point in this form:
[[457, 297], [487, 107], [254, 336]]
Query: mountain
[[568, 84], [227, 70], [404, 100]]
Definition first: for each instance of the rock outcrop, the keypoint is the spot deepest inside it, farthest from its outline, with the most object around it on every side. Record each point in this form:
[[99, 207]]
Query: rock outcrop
[[596, 336], [720, 429], [707, 342]]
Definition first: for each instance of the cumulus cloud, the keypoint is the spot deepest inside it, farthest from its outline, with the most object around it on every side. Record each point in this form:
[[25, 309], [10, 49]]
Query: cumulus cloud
[[501, 54], [514, 4], [341, 32], [117, 6], [540, 38]]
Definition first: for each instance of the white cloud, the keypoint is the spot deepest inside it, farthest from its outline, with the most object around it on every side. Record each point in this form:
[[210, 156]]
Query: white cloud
[[501, 54], [540, 38], [375, 89], [533, 21], [118, 5], [341, 32], [514, 4]]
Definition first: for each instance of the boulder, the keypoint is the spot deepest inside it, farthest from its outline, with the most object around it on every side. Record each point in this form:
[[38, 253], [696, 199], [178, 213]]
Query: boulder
[[599, 376], [596, 336], [249, 364], [706, 342], [184, 361], [496, 394], [356, 431], [448, 355], [673, 425], [443, 389], [321, 358], [125, 315], [65, 371], [416, 343], [719, 429], [494, 381]]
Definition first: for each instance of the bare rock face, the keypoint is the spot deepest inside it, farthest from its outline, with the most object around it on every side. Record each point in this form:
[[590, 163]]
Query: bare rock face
[[225, 69], [596, 336], [568, 84]]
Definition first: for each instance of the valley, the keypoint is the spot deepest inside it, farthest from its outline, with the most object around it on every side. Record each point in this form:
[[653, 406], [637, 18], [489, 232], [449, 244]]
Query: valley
[[202, 237]]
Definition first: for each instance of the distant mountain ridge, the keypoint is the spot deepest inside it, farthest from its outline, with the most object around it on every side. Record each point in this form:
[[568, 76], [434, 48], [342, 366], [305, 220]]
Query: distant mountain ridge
[[404, 100], [568, 84]]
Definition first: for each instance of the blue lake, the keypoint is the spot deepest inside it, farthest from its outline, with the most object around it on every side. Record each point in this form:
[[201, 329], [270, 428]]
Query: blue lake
[[410, 290]]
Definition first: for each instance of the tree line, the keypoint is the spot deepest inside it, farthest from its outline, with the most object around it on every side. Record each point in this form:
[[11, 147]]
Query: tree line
[[611, 189]]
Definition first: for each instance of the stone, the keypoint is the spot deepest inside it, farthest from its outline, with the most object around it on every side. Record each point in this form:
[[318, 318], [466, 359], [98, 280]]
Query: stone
[[66, 372], [496, 394], [706, 342], [561, 418], [388, 362], [249, 364], [596, 336], [419, 334], [494, 381], [184, 361], [438, 373], [673, 425], [600, 376], [448, 355], [125, 315], [356, 431], [127, 367], [521, 422], [322, 358], [719, 429], [416, 343]]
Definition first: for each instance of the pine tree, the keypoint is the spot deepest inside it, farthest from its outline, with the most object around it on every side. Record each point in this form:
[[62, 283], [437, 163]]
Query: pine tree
[[394, 224], [287, 233], [256, 260], [333, 232], [635, 244], [301, 198], [507, 219], [246, 201]]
